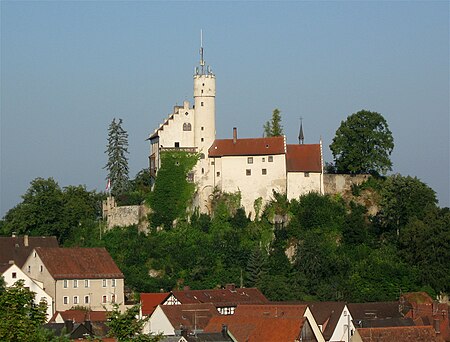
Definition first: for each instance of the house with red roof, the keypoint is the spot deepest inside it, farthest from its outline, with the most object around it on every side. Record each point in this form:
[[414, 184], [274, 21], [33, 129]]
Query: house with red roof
[[397, 334], [73, 277], [225, 300]]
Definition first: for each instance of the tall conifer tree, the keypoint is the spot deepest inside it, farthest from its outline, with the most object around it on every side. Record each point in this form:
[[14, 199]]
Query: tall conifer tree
[[273, 127], [117, 165]]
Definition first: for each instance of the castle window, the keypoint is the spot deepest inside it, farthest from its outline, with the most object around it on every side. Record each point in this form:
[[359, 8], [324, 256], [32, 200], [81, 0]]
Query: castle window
[[86, 283], [202, 156], [202, 139], [218, 173], [187, 126], [264, 171], [104, 299], [29, 269], [177, 144], [66, 300], [42, 268], [203, 171], [306, 174], [201, 104], [187, 113], [86, 299], [14, 275], [65, 283], [104, 283], [75, 299], [270, 159], [203, 128], [248, 172], [113, 282], [249, 160], [113, 298], [263, 159], [202, 91], [75, 283]]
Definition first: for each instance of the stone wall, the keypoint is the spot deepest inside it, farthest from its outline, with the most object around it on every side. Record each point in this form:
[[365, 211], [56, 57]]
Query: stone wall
[[340, 184], [124, 216]]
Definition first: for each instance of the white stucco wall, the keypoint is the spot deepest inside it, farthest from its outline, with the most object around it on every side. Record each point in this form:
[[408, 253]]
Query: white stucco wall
[[341, 331], [14, 273], [158, 323], [233, 177], [299, 184]]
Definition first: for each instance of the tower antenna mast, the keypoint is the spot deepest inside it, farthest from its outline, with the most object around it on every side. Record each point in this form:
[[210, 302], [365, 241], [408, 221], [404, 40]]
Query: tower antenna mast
[[202, 61]]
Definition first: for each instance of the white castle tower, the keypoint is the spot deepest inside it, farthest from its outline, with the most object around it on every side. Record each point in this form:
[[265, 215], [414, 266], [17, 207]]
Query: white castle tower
[[192, 129]]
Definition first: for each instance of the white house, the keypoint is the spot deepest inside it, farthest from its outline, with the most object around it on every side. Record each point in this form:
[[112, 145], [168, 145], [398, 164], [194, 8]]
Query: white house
[[14, 273]]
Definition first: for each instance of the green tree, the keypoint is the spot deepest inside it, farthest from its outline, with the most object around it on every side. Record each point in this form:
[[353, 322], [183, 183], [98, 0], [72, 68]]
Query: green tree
[[256, 268], [127, 326], [363, 144], [20, 317], [402, 199], [273, 127], [117, 165]]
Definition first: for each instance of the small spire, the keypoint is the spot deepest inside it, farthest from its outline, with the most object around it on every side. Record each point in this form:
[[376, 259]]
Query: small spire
[[301, 137]]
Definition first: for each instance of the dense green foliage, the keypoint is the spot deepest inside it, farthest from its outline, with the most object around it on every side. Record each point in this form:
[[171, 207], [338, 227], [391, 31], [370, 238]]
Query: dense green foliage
[[117, 165], [48, 210], [20, 318], [172, 193], [127, 326], [273, 127], [363, 144]]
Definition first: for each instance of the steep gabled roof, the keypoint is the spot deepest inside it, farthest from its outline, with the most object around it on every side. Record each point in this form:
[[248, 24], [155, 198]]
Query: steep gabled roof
[[190, 316], [18, 248], [303, 158], [230, 296], [259, 329], [79, 263], [327, 314], [150, 301], [247, 147], [399, 334], [80, 316]]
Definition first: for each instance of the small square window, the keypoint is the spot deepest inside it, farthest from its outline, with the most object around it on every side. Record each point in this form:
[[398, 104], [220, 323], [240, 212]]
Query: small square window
[[66, 300], [249, 160], [248, 172], [177, 144], [14, 275], [270, 159], [264, 171], [306, 174]]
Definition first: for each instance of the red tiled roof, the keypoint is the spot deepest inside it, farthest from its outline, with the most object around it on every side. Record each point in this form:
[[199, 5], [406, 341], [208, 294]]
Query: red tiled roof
[[270, 310], [150, 301], [80, 316], [399, 334], [303, 158], [375, 310], [247, 147], [259, 329], [418, 297], [221, 297], [190, 316], [79, 263], [18, 249]]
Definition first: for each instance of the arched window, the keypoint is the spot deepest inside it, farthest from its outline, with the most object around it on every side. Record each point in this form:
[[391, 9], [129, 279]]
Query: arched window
[[187, 126]]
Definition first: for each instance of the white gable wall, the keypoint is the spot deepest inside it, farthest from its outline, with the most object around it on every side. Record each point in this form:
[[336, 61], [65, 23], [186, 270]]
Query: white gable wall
[[14, 273], [315, 328], [159, 323], [341, 331]]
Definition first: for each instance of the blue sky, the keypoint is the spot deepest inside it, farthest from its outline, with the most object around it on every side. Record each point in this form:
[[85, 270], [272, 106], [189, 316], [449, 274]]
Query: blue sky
[[69, 68]]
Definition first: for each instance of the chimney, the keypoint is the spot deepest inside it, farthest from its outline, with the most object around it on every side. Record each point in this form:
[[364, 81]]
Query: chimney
[[25, 240], [234, 135], [224, 330]]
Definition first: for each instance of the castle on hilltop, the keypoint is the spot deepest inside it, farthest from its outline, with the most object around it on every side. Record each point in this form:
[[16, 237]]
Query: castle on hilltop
[[254, 166]]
